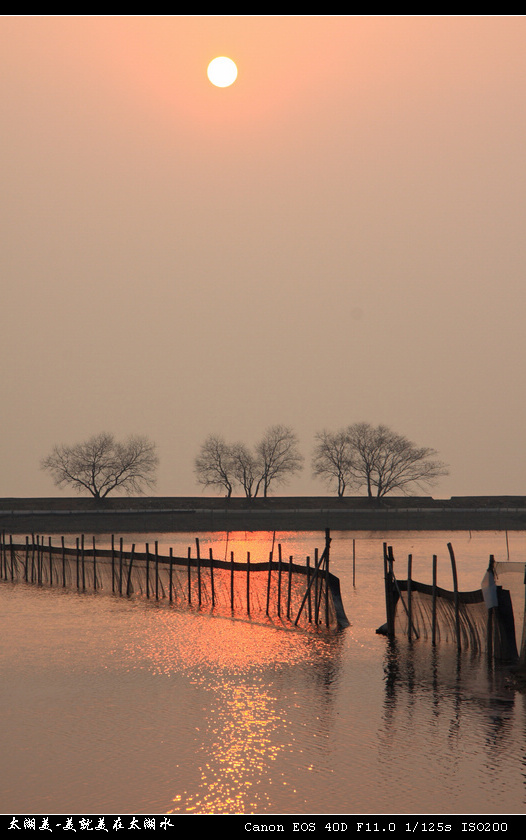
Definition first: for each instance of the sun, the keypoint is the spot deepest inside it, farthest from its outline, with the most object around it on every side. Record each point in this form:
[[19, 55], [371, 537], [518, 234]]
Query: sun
[[222, 71]]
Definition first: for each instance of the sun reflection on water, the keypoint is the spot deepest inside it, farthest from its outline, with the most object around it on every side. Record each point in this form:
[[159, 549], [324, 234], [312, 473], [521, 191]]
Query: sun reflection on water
[[245, 742]]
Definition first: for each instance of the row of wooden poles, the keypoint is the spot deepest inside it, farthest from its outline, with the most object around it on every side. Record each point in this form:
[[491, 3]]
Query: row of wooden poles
[[44, 561], [393, 594]]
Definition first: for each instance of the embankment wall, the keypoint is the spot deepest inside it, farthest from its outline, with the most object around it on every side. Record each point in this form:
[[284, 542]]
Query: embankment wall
[[172, 514]]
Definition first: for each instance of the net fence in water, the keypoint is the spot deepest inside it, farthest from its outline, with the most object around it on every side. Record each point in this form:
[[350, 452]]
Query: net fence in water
[[437, 615], [275, 591], [490, 619]]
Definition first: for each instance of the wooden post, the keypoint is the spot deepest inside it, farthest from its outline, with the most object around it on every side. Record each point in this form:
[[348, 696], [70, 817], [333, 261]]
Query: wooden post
[[147, 570], [171, 573], [156, 570], [354, 562], [120, 566], [113, 562], [309, 598], [27, 559], [455, 591], [232, 581], [248, 582], [491, 624], [12, 552], [189, 576], [94, 566], [211, 553], [434, 602], [269, 579], [82, 561], [63, 548], [279, 580], [409, 597], [327, 559], [389, 590], [50, 562], [128, 585], [198, 571], [289, 588], [316, 585]]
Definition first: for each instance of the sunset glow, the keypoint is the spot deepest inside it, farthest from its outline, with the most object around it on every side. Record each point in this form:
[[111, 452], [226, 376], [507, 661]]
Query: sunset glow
[[222, 71], [357, 176]]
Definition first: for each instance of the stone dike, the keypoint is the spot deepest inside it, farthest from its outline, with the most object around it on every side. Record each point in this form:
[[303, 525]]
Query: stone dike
[[121, 515]]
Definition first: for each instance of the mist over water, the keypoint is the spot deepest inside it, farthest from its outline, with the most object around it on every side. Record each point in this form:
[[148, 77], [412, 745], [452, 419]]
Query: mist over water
[[127, 706]]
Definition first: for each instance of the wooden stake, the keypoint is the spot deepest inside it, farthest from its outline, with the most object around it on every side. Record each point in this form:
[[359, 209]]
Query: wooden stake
[[113, 563], [409, 596], [269, 578], [232, 581], [147, 570], [63, 561], [189, 577], [434, 603], [198, 571], [455, 590], [289, 588], [120, 566], [212, 577], [279, 580], [248, 582], [156, 570], [128, 585]]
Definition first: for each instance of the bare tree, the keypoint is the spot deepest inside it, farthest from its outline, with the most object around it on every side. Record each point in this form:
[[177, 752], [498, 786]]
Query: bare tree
[[274, 459], [214, 466], [332, 460], [278, 456], [384, 461], [101, 465], [245, 468]]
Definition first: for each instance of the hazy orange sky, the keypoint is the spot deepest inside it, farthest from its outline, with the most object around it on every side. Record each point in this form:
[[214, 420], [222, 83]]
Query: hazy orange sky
[[338, 237]]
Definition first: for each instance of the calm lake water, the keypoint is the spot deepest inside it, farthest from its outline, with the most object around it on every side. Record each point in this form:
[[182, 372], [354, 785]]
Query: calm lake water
[[126, 706]]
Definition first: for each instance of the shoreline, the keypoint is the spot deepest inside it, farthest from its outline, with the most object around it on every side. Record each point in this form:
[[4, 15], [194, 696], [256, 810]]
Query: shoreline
[[277, 513]]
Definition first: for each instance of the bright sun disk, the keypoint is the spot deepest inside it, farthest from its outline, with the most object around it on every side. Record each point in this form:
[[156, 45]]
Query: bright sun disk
[[222, 71]]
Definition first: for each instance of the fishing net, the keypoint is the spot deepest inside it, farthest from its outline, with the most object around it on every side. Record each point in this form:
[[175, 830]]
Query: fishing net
[[489, 619], [273, 591]]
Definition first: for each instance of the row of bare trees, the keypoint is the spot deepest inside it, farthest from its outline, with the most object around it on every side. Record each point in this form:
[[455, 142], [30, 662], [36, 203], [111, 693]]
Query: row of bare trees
[[376, 459], [274, 459], [358, 457]]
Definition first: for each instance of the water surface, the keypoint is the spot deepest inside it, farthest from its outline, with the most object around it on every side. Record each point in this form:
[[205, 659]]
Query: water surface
[[118, 706]]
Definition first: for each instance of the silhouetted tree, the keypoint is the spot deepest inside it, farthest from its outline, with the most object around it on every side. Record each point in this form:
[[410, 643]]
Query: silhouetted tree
[[278, 457], [275, 458], [101, 465], [214, 466], [384, 461], [332, 460], [245, 468]]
